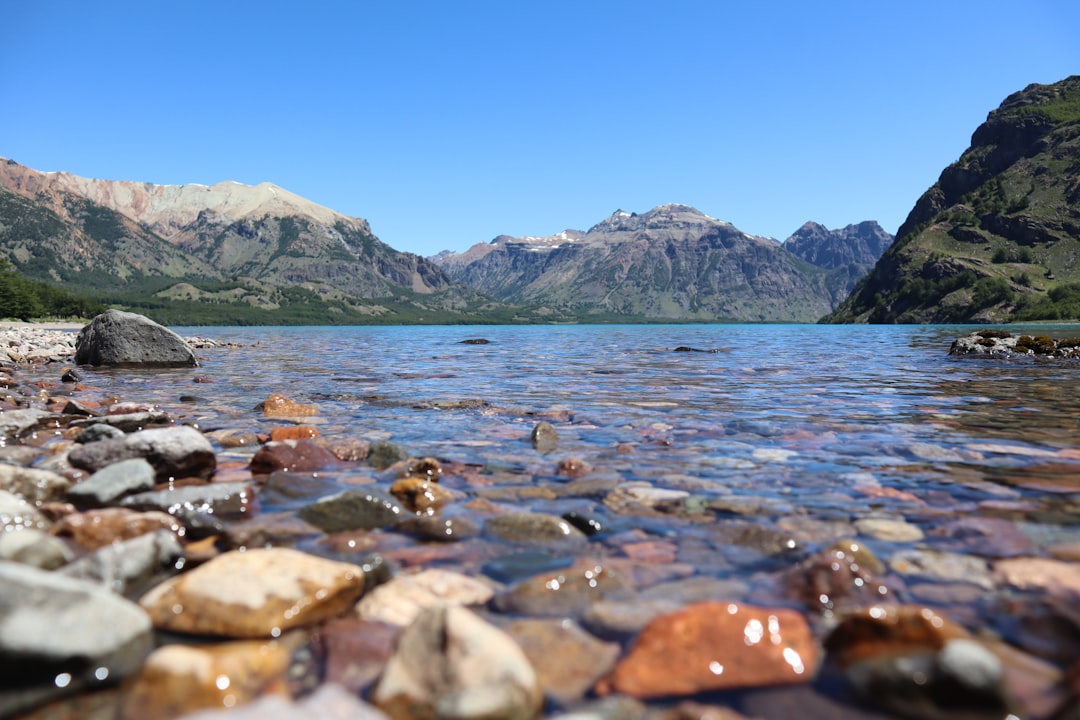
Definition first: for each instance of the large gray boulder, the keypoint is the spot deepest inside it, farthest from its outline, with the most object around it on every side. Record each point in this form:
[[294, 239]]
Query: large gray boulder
[[116, 337]]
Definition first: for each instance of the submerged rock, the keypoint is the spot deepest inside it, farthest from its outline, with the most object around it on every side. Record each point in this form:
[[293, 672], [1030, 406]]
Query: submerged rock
[[175, 452]]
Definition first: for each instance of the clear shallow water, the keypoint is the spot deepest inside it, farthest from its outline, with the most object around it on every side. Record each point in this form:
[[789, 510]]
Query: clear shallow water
[[799, 430]]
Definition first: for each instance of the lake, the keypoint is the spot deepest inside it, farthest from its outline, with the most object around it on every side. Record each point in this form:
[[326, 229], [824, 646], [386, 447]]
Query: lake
[[731, 453]]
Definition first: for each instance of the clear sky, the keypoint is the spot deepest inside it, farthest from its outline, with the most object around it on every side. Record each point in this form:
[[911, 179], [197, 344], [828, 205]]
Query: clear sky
[[446, 123]]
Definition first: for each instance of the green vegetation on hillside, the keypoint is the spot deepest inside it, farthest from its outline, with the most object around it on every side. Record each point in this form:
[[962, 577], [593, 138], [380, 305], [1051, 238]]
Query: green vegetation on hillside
[[25, 299]]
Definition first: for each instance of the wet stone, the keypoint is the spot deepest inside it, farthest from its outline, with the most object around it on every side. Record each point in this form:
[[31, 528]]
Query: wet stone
[[533, 529], [268, 530], [842, 576], [258, 593], [279, 406], [353, 510], [33, 485], [34, 547], [586, 524], [562, 593], [932, 564], [192, 504], [94, 529], [383, 454], [544, 437], [131, 566], [175, 452], [526, 563], [284, 489], [293, 456], [1054, 577], [889, 530], [127, 422], [450, 663], [568, 661], [112, 482], [53, 640], [715, 646], [355, 651], [180, 679], [400, 601], [437, 528], [615, 707], [886, 630], [16, 514], [986, 537], [328, 702], [621, 620], [101, 431], [419, 494]]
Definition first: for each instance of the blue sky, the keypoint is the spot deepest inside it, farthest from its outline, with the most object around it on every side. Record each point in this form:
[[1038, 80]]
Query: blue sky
[[448, 123]]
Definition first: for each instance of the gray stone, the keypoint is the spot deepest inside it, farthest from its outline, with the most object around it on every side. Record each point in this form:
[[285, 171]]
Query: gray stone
[[192, 503], [59, 635], [32, 484], [122, 338], [15, 422], [112, 482], [128, 422], [353, 510], [544, 437], [98, 431], [130, 567], [35, 548], [971, 665], [175, 452], [533, 528]]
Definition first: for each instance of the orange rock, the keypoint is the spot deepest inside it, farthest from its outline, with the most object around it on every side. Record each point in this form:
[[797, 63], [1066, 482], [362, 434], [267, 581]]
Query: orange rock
[[295, 432], [279, 406], [420, 494], [715, 646], [96, 529], [179, 679]]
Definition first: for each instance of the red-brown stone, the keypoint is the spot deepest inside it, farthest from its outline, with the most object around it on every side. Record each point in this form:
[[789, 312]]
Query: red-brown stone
[[292, 455], [279, 406], [715, 646]]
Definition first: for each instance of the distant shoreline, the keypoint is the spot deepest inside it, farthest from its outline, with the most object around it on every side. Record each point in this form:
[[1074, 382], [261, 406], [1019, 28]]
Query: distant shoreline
[[8, 324]]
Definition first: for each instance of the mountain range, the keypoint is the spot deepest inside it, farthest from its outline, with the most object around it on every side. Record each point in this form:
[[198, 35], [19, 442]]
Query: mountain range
[[236, 253], [675, 263], [997, 237]]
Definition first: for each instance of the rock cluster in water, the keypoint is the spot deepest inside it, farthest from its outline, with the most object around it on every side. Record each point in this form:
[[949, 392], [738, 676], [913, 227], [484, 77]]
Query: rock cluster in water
[[1004, 343], [145, 573]]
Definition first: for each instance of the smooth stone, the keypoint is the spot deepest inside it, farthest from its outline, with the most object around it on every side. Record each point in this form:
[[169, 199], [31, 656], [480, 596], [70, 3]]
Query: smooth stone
[[942, 566], [355, 651], [131, 566], [353, 510], [841, 576], [33, 485], [568, 661], [533, 529], [116, 337], [400, 601], [257, 593], [34, 547], [127, 422], [526, 563], [1054, 577], [889, 530], [279, 406], [268, 530], [563, 593], [98, 431], [175, 452], [383, 454], [697, 589], [449, 663], [294, 432], [53, 639], [544, 437], [420, 494], [180, 679], [715, 646], [193, 503], [14, 423], [438, 528], [328, 702], [622, 619], [113, 482], [17, 514], [889, 630], [283, 489], [985, 537], [94, 529], [292, 456]]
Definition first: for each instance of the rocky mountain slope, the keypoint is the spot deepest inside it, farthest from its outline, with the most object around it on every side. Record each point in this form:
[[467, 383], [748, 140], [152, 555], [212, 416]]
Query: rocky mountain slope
[[227, 242], [673, 262], [997, 237]]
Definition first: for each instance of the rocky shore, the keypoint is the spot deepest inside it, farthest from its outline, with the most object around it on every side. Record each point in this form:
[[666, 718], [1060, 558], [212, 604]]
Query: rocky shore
[[151, 568]]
